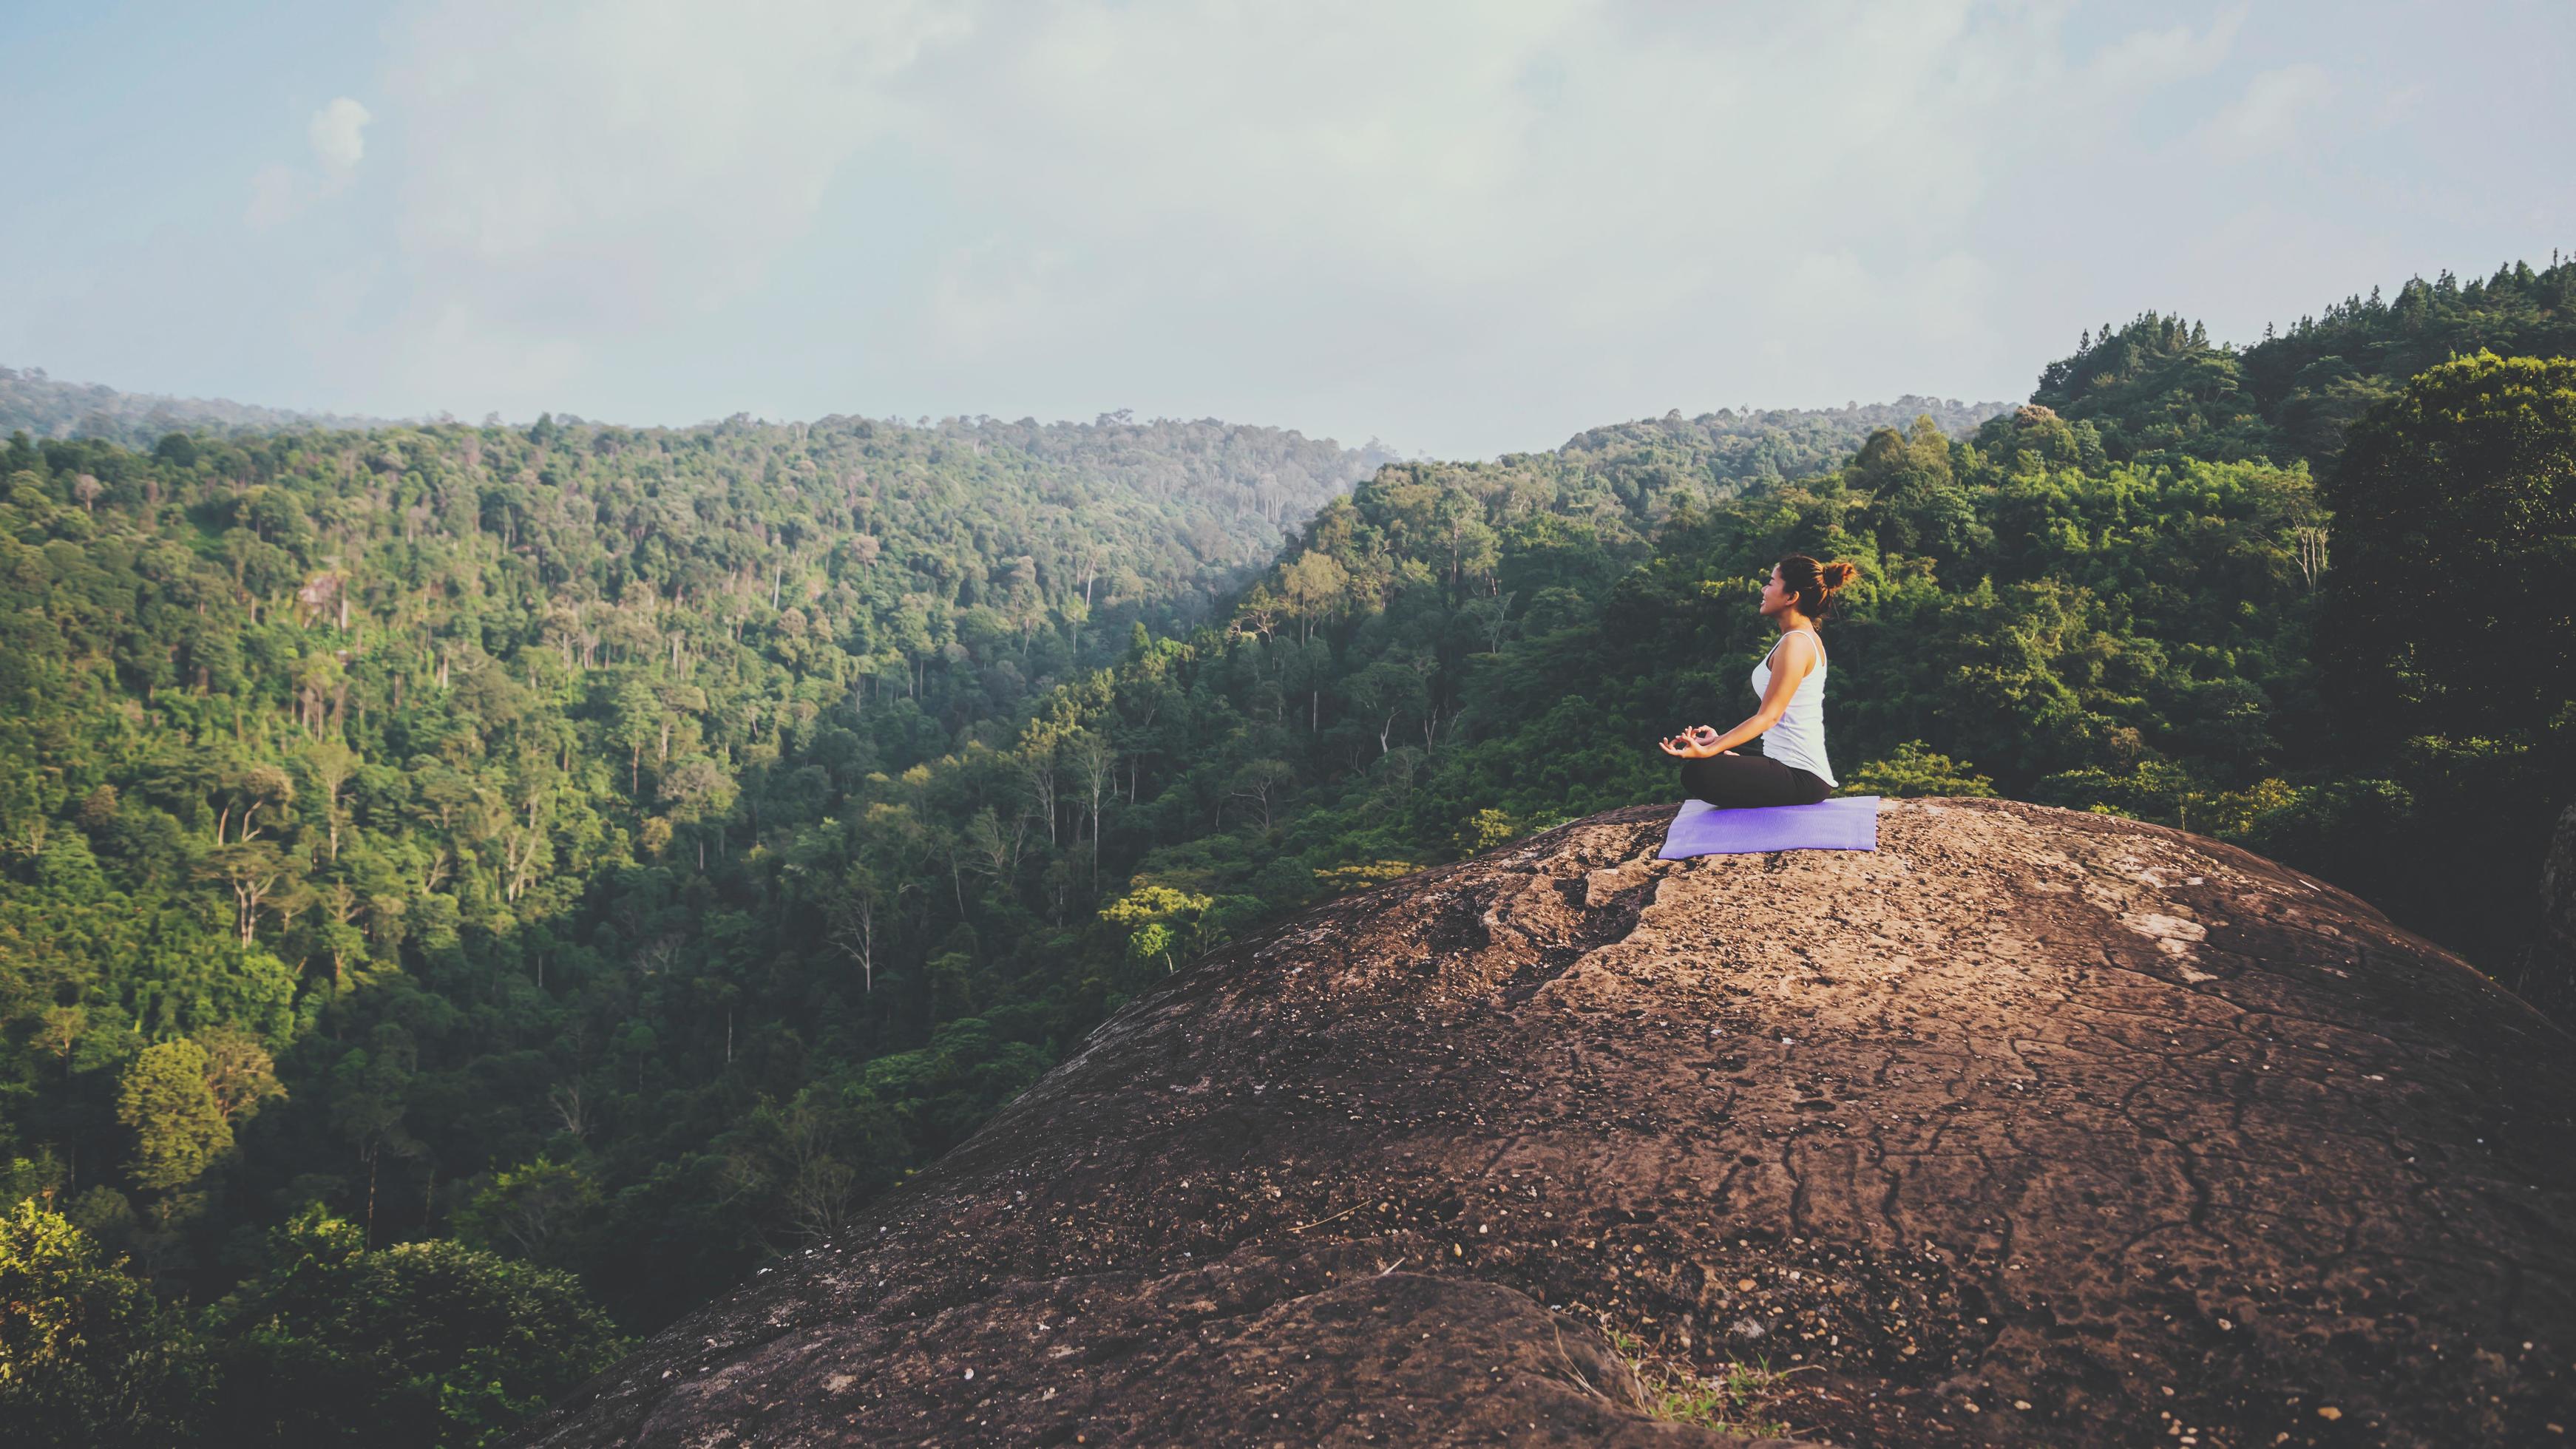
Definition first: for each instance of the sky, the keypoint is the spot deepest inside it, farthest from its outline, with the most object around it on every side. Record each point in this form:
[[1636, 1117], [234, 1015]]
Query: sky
[[1460, 228]]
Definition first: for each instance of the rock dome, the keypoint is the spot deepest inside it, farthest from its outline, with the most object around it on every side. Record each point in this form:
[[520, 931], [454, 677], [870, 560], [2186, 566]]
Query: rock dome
[[2032, 1127]]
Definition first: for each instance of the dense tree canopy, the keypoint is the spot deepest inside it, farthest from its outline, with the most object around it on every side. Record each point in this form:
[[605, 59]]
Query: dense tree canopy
[[2158, 385], [88, 1359], [2455, 522], [458, 875]]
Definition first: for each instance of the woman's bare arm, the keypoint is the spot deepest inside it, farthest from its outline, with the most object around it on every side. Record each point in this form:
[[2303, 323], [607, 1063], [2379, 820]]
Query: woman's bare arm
[[1795, 655]]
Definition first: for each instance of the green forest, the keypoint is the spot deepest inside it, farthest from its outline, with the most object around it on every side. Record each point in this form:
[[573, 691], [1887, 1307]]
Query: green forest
[[473, 893]]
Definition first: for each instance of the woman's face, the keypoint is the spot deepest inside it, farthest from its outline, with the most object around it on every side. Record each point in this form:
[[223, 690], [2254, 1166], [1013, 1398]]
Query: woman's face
[[1775, 597]]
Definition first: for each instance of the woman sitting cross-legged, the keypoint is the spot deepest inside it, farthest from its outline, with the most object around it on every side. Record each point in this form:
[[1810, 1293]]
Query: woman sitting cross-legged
[[1790, 680]]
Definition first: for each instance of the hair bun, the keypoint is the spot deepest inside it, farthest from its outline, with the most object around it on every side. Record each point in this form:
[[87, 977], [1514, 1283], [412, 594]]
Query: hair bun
[[1836, 574]]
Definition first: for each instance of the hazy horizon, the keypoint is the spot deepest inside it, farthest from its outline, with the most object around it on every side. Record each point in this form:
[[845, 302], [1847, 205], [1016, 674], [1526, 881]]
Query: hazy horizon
[[447, 416]]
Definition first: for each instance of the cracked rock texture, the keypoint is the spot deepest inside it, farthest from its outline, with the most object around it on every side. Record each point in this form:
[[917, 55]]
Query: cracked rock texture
[[2032, 1127]]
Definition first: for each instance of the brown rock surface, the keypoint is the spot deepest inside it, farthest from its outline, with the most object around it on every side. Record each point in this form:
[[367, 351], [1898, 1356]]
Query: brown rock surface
[[2032, 1127]]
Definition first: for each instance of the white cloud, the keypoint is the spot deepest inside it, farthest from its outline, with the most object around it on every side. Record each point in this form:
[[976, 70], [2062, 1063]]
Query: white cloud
[[1493, 217], [613, 168], [2148, 58], [279, 193], [1560, 201], [338, 136], [649, 155], [2266, 117]]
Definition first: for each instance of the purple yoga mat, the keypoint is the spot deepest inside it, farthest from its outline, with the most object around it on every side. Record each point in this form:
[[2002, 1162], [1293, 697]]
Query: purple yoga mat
[[1850, 823]]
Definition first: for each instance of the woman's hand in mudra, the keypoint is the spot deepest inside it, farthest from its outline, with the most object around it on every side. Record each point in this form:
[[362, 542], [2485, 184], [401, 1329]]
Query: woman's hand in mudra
[[1696, 743]]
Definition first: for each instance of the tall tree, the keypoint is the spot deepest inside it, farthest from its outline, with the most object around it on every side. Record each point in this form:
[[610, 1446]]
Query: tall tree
[[2448, 605], [178, 1123]]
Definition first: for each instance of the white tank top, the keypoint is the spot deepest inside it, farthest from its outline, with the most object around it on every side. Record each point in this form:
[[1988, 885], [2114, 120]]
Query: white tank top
[[1798, 740]]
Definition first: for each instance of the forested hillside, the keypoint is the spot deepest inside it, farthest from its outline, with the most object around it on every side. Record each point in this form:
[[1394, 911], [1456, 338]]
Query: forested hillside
[[48, 407], [1731, 449], [2159, 386], [328, 755], [597, 858]]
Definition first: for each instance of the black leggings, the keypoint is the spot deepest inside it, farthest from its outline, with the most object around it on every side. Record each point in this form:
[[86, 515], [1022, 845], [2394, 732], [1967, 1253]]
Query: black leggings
[[1730, 781]]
